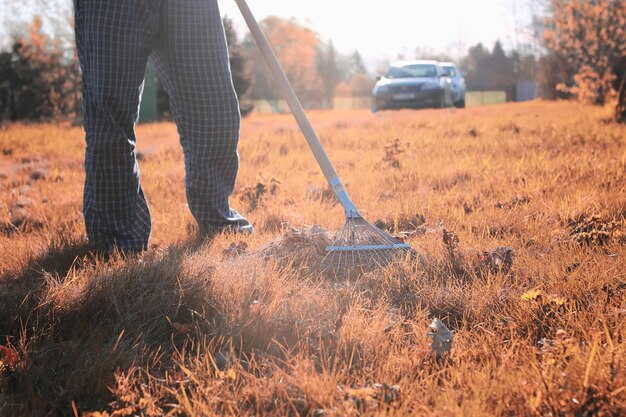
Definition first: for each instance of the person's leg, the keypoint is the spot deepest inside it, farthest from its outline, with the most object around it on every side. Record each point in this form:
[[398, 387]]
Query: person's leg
[[112, 39], [191, 57]]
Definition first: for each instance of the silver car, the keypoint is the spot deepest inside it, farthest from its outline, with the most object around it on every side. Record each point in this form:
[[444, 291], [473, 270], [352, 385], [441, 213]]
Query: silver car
[[413, 84], [458, 83]]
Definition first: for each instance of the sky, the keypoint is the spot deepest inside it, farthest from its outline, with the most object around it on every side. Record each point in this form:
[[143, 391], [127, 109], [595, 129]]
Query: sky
[[380, 31], [383, 30]]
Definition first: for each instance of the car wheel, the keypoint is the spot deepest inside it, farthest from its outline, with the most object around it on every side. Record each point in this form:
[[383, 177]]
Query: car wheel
[[441, 104], [460, 104]]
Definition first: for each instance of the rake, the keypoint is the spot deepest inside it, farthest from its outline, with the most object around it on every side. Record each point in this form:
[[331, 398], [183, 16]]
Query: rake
[[359, 242]]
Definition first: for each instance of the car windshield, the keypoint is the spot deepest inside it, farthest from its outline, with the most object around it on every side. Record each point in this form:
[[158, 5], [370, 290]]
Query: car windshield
[[413, 71], [450, 71]]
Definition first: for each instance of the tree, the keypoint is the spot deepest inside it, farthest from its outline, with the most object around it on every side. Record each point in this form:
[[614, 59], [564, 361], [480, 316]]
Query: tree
[[361, 85], [590, 35], [239, 67], [620, 85], [553, 70], [495, 69], [356, 65], [501, 68], [40, 80], [525, 66], [476, 63], [297, 48], [329, 72]]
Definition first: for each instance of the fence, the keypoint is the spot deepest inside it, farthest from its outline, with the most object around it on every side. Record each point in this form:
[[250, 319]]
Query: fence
[[484, 98], [521, 92], [353, 103], [339, 103]]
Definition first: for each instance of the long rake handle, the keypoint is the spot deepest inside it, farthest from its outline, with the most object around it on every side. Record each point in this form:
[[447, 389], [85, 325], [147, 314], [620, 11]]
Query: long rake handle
[[298, 112]]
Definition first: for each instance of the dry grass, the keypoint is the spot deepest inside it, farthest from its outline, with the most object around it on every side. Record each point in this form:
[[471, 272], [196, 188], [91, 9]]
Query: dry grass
[[255, 329]]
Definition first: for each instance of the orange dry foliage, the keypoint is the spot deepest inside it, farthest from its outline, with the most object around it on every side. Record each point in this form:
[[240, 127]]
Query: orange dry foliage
[[296, 48], [591, 35], [518, 213], [49, 73]]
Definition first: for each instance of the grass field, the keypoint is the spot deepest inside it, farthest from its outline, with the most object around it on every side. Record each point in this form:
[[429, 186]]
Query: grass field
[[518, 212]]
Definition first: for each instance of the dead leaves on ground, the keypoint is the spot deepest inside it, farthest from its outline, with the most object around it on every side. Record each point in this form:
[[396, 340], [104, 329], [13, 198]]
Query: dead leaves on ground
[[497, 260], [8, 358], [370, 397], [539, 296], [404, 227], [594, 230], [253, 196], [235, 249]]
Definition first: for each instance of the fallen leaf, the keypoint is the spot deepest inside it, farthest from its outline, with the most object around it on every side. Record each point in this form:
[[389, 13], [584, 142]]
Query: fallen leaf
[[371, 396], [558, 301], [236, 249], [229, 374], [532, 295], [124, 412], [450, 239], [361, 392], [8, 358]]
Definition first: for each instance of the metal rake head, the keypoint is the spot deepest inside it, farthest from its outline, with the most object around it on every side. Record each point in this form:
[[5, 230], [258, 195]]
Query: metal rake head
[[361, 246]]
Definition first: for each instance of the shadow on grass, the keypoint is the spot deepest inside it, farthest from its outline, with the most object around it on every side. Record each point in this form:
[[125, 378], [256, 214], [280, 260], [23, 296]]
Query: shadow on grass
[[22, 289], [77, 321]]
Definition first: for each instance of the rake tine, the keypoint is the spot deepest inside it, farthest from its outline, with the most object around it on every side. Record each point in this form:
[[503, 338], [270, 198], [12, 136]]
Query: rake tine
[[364, 243], [380, 258]]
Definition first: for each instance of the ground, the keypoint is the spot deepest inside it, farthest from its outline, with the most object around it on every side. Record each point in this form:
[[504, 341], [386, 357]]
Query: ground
[[517, 212]]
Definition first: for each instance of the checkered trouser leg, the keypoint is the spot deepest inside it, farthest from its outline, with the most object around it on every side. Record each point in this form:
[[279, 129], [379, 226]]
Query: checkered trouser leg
[[114, 40], [191, 58]]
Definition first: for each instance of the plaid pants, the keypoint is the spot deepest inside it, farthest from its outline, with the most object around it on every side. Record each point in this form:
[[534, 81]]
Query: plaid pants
[[186, 42]]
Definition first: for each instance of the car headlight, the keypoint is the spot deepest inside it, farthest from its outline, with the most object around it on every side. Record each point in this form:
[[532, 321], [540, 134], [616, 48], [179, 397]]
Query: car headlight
[[431, 85], [381, 89]]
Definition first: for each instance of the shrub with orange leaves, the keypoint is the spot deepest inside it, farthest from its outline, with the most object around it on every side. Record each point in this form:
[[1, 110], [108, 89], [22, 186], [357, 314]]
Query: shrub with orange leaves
[[296, 46], [591, 36], [41, 78]]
